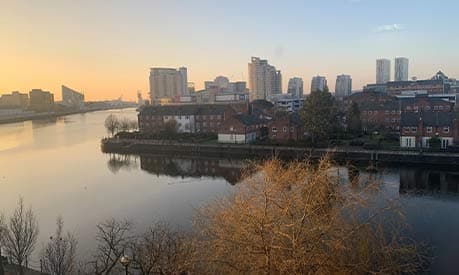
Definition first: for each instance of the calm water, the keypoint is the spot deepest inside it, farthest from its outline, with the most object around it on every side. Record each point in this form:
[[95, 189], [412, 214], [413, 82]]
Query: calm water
[[57, 166]]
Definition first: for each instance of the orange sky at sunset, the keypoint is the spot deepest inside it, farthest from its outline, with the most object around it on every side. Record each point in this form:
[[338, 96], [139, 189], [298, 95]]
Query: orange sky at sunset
[[105, 48]]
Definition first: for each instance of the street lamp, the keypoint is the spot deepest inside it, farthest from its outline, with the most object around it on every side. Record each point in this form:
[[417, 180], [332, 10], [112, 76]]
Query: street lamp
[[125, 261]]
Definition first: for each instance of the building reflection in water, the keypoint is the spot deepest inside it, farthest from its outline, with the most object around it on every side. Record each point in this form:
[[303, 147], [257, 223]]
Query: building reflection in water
[[196, 167], [117, 162], [424, 181]]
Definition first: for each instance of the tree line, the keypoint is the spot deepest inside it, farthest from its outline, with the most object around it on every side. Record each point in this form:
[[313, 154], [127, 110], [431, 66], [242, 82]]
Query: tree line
[[114, 124], [283, 218]]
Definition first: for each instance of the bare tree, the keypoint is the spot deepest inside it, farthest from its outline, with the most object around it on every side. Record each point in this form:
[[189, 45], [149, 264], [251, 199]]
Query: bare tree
[[113, 239], [162, 250], [58, 256], [112, 124], [133, 124], [22, 235], [124, 124], [3, 234], [298, 219]]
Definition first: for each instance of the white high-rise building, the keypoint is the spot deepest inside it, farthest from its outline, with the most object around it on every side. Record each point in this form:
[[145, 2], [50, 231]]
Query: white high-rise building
[[264, 80], [167, 83], [401, 69], [72, 98], [184, 76], [295, 87], [343, 86], [382, 71], [319, 83]]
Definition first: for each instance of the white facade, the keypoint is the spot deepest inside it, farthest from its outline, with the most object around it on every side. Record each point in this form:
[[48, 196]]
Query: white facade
[[264, 80], [318, 83], [343, 86], [382, 71], [167, 83], [295, 87], [401, 69], [407, 142], [185, 123], [237, 138], [72, 98], [184, 79], [288, 103]]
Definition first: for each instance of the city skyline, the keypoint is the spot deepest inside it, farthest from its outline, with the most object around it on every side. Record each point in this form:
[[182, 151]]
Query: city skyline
[[107, 49]]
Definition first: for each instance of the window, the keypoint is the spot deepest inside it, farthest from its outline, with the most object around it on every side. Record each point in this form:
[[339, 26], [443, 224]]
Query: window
[[393, 112], [274, 130], [231, 128], [393, 120], [414, 129], [292, 129], [370, 112], [440, 108], [435, 108], [166, 117], [445, 129], [179, 117], [187, 117], [427, 108], [408, 108], [387, 112], [284, 129], [429, 129]]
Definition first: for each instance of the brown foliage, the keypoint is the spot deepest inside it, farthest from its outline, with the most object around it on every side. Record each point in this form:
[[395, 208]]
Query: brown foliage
[[297, 219]]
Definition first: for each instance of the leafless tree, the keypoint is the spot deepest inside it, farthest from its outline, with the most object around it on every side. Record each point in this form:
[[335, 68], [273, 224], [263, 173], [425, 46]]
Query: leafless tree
[[133, 124], [3, 234], [162, 250], [113, 239], [58, 256], [124, 124], [112, 124], [22, 235], [298, 219]]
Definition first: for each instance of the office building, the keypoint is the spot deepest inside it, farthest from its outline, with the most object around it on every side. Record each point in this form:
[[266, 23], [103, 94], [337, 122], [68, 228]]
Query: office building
[[295, 87], [14, 100], [41, 101], [343, 87], [401, 69], [319, 83], [382, 71], [167, 83], [72, 98], [264, 80]]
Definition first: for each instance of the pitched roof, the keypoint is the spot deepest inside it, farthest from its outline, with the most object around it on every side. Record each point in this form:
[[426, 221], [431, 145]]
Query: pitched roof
[[436, 119], [195, 109], [248, 120]]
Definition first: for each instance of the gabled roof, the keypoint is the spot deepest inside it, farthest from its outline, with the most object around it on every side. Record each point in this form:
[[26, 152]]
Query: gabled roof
[[434, 119], [248, 120], [195, 109]]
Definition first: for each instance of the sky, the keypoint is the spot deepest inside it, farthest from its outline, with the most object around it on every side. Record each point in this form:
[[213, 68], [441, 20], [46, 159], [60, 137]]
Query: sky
[[106, 48]]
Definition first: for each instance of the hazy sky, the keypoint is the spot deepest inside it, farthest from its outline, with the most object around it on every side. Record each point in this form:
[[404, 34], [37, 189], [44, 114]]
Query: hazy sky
[[106, 48]]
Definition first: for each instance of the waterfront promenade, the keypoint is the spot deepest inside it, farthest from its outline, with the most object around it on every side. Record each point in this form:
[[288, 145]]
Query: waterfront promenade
[[352, 154]]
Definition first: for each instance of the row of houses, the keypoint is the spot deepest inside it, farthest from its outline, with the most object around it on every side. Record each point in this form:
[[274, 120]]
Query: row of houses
[[232, 124], [417, 118]]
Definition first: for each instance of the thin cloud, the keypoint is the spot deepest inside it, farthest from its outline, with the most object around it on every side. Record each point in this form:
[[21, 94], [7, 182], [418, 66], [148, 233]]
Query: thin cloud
[[389, 28]]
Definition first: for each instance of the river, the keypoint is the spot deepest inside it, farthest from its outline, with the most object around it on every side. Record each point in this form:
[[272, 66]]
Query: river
[[58, 168]]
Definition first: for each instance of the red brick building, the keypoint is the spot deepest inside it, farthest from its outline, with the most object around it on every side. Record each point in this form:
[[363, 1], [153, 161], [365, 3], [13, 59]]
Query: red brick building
[[204, 118], [418, 128], [240, 128], [285, 128]]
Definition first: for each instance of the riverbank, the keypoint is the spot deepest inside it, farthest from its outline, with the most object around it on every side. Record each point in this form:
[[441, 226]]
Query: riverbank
[[340, 154], [49, 115]]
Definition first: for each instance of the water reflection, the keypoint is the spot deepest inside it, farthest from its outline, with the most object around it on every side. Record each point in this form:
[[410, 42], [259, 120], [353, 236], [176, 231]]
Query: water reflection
[[431, 182], [117, 162], [194, 167]]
